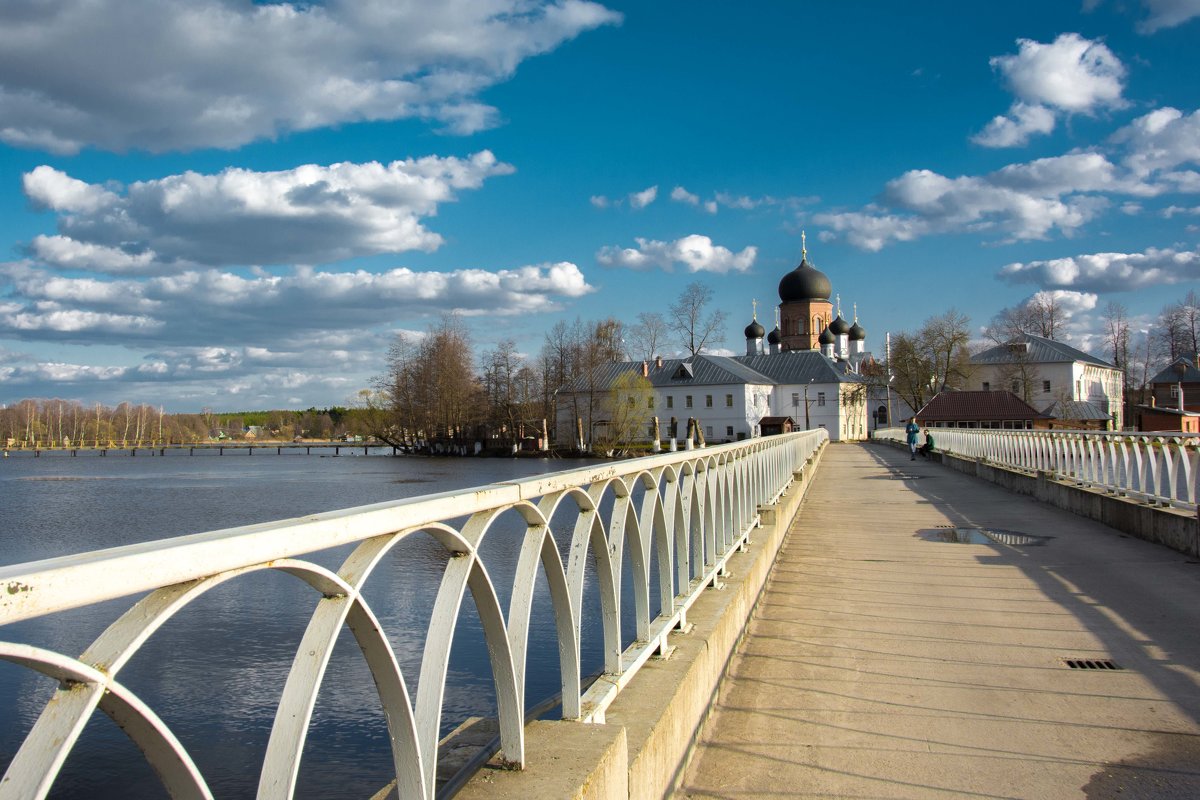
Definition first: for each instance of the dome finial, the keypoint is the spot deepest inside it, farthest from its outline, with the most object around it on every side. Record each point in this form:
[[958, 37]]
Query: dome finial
[[754, 303], [803, 247], [839, 303], [856, 312]]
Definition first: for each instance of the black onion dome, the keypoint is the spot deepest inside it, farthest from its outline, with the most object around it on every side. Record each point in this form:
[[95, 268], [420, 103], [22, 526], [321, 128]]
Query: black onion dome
[[857, 332], [827, 337], [804, 283], [839, 326], [774, 337], [754, 330]]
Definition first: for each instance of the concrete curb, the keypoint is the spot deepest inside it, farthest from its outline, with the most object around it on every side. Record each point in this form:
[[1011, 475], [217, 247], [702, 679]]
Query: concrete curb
[[652, 726], [1170, 527]]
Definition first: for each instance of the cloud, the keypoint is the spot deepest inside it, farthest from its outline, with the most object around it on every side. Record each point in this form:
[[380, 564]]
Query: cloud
[[1109, 272], [600, 201], [739, 202], [1022, 201], [1161, 140], [682, 195], [188, 74], [309, 214], [696, 253], [1168, 14], [639, 200], [220, 309], [1150, 157], [1070, 75], [1022, 122]]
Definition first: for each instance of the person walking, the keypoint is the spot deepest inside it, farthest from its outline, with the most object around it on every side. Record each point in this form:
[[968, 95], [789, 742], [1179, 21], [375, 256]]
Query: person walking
[[910, 431]]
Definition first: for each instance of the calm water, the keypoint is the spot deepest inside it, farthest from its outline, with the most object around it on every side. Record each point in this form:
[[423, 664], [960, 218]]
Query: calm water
[[215, 671]]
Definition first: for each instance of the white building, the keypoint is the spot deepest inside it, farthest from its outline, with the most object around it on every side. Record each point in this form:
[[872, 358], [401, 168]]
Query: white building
[[807, 369], [1043, 373]]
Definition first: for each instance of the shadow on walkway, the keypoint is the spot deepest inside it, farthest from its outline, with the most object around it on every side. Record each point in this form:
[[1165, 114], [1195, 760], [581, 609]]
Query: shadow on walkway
[[887, 661]]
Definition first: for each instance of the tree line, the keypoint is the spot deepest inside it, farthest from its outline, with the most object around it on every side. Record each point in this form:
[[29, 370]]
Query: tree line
[[432, 391], [32, 423]]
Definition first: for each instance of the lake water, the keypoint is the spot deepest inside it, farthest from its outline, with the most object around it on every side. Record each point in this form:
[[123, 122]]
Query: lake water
[[215, 671]]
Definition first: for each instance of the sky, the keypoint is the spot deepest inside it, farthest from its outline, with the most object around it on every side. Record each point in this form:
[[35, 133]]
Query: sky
[[232, 205]]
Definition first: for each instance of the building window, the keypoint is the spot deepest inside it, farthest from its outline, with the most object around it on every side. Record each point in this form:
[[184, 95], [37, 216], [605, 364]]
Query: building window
[[632, 400], [729, 430], [1016, 387], [987, 387], [1174, 390], [795, 399], [708, 401], [729, 401], [670, 401], [1045, 387], [687, 401], [820, 398], [708, 431], [650, 401]]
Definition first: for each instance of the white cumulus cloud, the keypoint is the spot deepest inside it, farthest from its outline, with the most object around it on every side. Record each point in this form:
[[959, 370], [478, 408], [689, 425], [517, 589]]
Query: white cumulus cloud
[[1069, 75], [309, 214], [695, 253], [1109, 272], [187, 74]]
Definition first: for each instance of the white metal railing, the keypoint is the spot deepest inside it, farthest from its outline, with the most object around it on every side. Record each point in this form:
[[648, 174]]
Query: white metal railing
[[694, 510], [1157, 468]]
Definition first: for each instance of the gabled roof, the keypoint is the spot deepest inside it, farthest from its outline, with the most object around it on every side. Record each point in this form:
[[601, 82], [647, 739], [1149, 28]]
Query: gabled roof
[[977, 405], [1076, 409], [799, 367], [1030, 349], [1169, 375], [703, 370], [792, 367]]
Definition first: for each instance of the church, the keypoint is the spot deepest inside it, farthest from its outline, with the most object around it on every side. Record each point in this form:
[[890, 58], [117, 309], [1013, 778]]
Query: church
[[804, 374]]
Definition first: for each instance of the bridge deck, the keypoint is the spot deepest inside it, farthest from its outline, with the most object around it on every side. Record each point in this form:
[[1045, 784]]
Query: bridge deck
[[882, 664]]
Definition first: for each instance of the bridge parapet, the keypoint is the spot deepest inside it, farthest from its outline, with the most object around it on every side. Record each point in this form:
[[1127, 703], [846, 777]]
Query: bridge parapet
[[1156, 468], [684, 514]]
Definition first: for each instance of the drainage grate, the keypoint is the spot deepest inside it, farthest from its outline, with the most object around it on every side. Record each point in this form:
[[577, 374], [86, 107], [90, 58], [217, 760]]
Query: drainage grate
[[1092, 663]]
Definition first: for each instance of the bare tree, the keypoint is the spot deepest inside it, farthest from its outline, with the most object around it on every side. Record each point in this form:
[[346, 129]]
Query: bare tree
[[696, 327], [932, 359], [1041, 315], [649, 334]]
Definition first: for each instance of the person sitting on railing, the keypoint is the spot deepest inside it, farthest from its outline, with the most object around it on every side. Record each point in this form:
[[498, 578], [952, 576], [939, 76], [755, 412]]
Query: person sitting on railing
[[926, 448]]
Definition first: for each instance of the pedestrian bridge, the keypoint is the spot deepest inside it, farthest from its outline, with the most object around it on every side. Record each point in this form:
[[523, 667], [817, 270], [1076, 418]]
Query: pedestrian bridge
[[916, 637]]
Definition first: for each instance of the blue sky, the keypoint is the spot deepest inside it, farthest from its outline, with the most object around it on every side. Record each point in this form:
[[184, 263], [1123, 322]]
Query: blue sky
[[235, 205]]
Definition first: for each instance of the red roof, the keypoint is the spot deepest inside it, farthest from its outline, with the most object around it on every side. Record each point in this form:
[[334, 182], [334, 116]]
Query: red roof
[[977, 405]]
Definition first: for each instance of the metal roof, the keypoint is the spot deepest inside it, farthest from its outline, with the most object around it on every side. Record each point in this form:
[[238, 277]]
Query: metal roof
[[799, 367], [1076, 409], [792, 367], [1169, 375], [1027, 348]]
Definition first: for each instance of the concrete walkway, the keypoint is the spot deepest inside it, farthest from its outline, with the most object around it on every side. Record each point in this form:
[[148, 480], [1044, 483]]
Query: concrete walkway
[[885, 663]]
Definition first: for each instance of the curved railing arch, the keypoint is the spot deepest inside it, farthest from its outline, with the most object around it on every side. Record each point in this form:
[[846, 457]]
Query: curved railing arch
[[1157, 468], [679, 514]]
